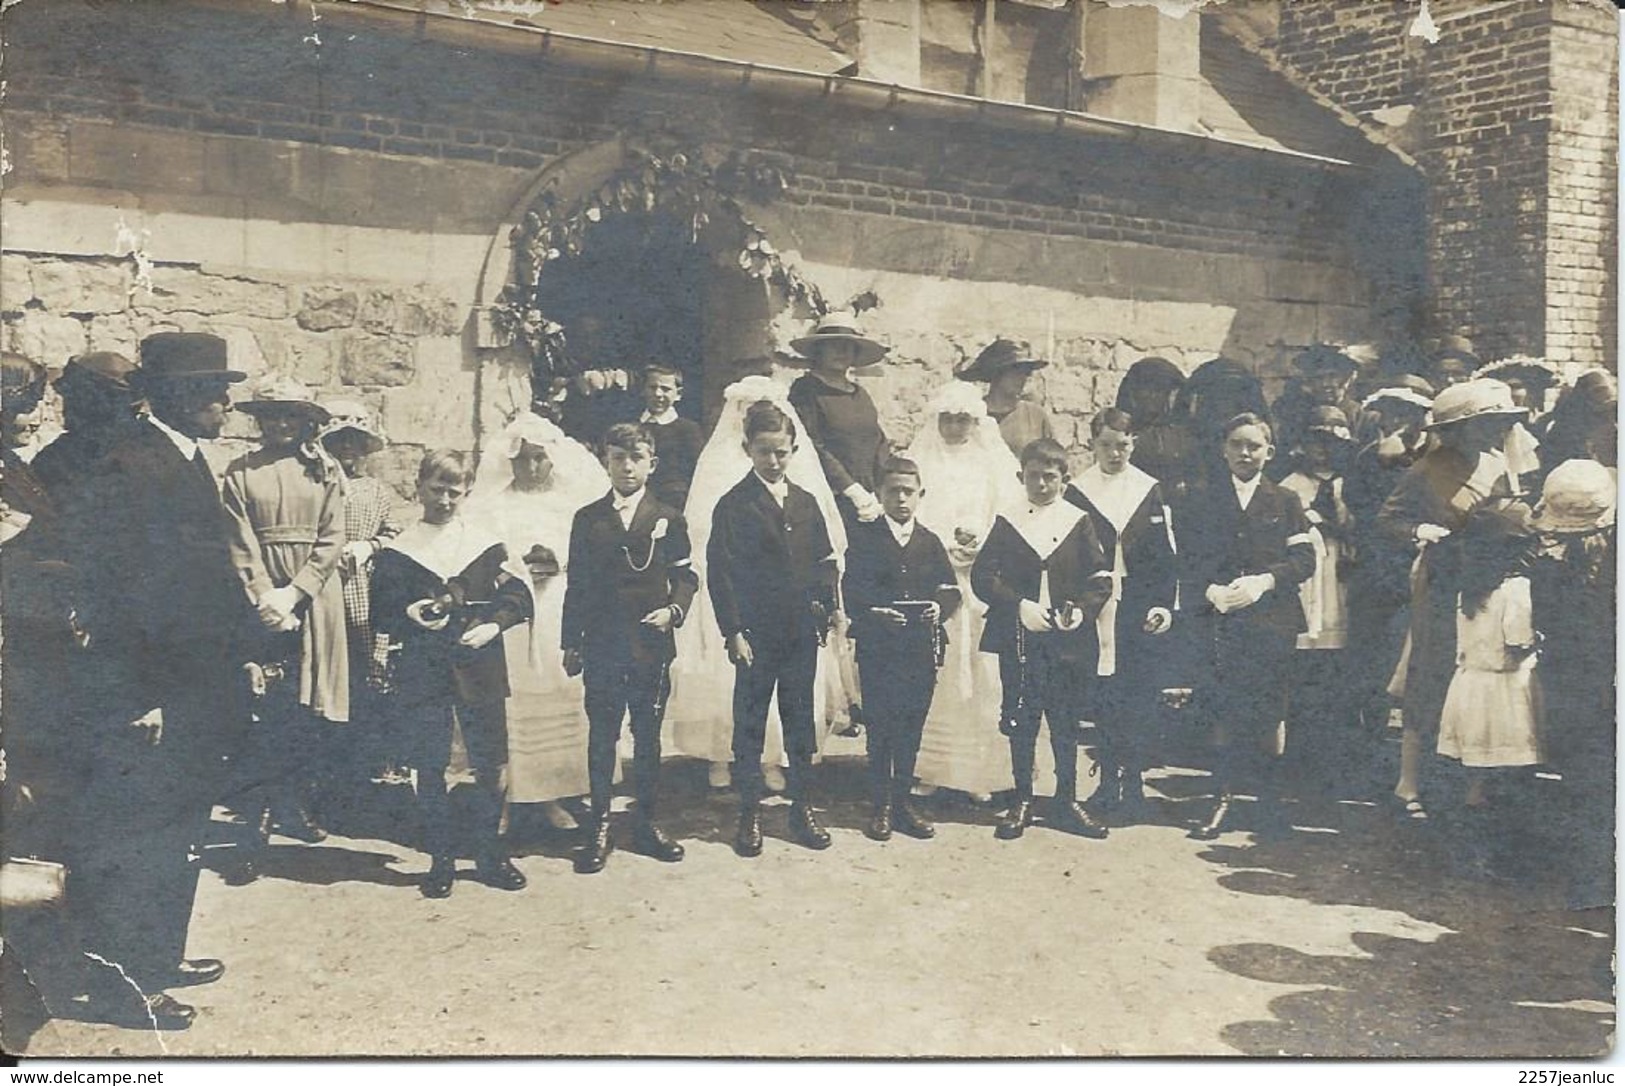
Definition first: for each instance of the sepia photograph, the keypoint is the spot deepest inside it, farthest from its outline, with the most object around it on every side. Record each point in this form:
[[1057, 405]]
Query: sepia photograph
[[834, 529]]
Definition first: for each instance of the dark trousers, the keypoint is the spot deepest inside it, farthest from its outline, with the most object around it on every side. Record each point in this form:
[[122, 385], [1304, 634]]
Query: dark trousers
[[485, 736], [615, 691], [284, 755], [896, 698], [1244, 703], [1046, 687], [789, 665]]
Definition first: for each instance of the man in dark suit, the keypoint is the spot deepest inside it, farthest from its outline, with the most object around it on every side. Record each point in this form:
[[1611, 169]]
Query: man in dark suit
[[899, 591], [630, 586], [147, 533], [1247, 547], [772, 583]]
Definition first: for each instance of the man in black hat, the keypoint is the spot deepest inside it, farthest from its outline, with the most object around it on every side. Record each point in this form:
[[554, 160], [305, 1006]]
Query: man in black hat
[[100, 403], [162, 605]]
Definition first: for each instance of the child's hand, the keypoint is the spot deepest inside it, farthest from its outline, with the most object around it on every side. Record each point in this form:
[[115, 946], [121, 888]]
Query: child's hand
[[1158, 620], [1431, 533], [356, 553], [890, 615], [1249, 590], [572, 662], [661, 618], [1223, 598], [480, 636], [1034, 619], [739, 650]]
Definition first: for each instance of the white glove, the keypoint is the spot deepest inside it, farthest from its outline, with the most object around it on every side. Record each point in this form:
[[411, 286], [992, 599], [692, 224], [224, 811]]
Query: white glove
[[1224, 598], [1251, 589], [1034, 619], [357, 553], [1431, 533], [480, 636]]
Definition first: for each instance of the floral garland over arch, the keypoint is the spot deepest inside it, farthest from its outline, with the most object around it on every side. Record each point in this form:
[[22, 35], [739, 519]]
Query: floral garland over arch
[[678, 184]]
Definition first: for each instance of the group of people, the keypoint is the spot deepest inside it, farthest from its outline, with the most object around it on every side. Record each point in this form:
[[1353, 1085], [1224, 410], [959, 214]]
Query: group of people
[[1295, 575]]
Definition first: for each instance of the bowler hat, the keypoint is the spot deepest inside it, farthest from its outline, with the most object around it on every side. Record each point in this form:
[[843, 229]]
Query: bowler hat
[[1473, 399], [998, 357], [1578, 496], [353, 415], [278, 393], [841, 328], [103, 371], [173, 356]]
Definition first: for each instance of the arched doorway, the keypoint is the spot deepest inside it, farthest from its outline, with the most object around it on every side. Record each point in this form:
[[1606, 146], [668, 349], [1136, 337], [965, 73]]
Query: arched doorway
[[624, 255]]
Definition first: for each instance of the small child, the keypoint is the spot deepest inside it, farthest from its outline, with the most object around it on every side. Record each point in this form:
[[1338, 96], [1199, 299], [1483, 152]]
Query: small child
[[443, 591], [772, 575], [678, 441], [900, 590], [1247, 546], [1492, 711], [1044, 576], [1319, 701], [370, 521], [630, 586]]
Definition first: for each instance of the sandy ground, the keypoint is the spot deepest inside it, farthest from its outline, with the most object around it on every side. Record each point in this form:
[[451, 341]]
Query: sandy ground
[[1353, 937]]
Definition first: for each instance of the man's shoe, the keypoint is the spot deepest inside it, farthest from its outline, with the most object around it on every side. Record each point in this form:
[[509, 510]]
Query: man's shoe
[[160, 1011], [193, 971], [437, 883], [748, 841], [651, 840], [1214, 826], [1071, 817], [910, 824], [805, 829], [592, 856], [499, 873], [1015, 821], [879, 827]]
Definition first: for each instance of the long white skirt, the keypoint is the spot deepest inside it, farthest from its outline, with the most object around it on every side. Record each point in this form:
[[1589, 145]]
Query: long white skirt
[[547, 718]]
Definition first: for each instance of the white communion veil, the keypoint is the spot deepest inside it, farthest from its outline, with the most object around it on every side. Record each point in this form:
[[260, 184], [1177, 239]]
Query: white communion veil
[[965, 485]]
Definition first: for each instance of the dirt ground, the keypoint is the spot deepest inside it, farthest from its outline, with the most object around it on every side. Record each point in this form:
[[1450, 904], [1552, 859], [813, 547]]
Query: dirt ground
[[1357, 935]]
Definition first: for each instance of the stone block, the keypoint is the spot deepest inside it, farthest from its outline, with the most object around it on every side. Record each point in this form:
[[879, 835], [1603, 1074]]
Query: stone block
[[375, 360], [312, 359], [424, 313], [48, 338], [16, 289], [376, 311], [435, 409], [75, 287], [183, 289], [121, 332], [322, 309]]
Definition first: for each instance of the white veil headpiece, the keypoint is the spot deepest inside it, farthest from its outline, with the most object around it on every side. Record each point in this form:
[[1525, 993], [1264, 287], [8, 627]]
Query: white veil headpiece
[[578, 477], [967, 484], [723, 463]]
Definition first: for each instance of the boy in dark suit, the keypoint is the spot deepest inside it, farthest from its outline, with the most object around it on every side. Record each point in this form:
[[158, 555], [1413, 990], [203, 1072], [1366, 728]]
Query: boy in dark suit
[[677, 441], [1248, 547], [899, 591], [630, 585], [772, 583], [1044, 576]]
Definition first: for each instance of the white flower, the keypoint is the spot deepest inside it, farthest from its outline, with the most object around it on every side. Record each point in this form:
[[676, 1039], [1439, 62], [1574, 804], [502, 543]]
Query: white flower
[[659, 531]]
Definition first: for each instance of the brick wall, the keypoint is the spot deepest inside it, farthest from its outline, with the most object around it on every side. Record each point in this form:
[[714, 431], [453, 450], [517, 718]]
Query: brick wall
[[1511, 129]]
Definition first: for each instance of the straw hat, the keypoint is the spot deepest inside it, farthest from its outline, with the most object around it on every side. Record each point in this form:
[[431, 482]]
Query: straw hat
[[353, 415], [841, 328], [1579, 496], [1000, 356], [1407, 389], [278, 393], [1522, 368], [1473, 399]]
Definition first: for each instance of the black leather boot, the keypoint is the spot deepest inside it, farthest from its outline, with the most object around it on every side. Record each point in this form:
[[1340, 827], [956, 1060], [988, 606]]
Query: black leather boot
[[748, 841], [804, 827], [652, 841], [1215, 823], [1016, 820], [437, 883], [1071, 817], [594, 854], [879, 827], [906, 820], [497, 871]]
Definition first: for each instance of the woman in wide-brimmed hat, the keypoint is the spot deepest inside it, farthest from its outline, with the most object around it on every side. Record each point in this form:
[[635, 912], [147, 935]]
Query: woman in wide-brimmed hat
[[285, 507], [1162, 441], [1465, 468], [371, 518], [842, 422], [1531, 381], [1005, 365]]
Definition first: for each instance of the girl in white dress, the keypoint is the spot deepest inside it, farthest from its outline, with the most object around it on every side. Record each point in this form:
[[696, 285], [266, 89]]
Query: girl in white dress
[[527, 493], [699, 713], [1492, 712], [969, 474]]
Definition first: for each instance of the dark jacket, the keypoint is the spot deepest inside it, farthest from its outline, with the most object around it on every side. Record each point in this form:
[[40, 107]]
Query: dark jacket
[[677, 444], [1219, 541], [616, 576], [431, 668], [1152, 572], [770, 570], [1007, 570], [879, 573], [844, 427]]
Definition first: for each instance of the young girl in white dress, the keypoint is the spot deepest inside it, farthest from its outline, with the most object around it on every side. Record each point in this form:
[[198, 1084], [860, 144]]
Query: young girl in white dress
[[1492, 712], [527, 493], [969, 474], [699, 715]]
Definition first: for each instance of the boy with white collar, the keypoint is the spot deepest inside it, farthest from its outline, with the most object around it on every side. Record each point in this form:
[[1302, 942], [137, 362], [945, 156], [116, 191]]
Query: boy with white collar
[[1044, 576], [678, 441]]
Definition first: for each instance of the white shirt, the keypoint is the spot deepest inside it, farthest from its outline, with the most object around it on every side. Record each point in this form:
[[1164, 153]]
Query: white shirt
[[627, 505], [1044, 527], [665, 418], [900, 532], [187, 446], [1245, 491], [780, 490]]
